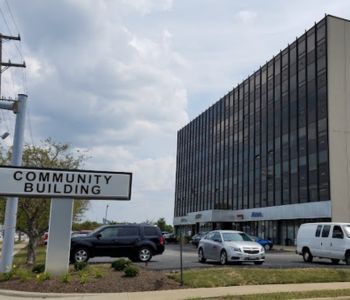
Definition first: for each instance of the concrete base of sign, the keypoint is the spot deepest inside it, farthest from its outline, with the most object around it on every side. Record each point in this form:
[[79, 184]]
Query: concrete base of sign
[[58, 245]]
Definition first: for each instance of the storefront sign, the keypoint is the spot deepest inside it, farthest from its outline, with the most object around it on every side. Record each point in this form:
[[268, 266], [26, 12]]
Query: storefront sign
[[240, 217], [257, 214], [198, 216]]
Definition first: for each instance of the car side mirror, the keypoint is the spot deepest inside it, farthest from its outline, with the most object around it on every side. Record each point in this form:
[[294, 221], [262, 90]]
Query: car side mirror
[[98, 236]]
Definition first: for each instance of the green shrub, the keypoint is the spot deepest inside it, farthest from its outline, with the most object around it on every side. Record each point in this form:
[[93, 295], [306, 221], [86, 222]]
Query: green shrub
[[98, 274], [66, 278], [120, 264], [24, 275], [10, 274], [84, 277], [43, 276], [40, 268], [80, 265], [131, 271]]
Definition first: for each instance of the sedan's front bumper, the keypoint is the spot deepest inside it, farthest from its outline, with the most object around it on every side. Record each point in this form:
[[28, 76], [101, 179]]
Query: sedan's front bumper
[[242, 256]]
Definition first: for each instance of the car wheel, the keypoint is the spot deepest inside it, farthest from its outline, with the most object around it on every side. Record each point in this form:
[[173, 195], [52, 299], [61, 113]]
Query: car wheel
[[347, 258], [223, 257], [81, 255], [201, 257], [267, 247], [307, 256], [335, 261], [144, 254], [258, 262]]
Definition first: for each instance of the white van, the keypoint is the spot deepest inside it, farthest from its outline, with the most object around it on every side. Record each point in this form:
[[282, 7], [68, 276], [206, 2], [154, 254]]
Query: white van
[[324, 240]]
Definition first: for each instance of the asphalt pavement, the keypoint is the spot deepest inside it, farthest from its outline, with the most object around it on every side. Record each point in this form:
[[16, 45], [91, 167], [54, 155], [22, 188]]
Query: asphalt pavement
[[171, 260], [278, 257]]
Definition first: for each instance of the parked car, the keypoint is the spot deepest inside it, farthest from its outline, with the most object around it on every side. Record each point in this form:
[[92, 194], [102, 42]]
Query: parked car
[[197, 237], [266, 243], [169, 237], [135, 241], [324, 240], [45, 238], [230, 246], [81, 233]]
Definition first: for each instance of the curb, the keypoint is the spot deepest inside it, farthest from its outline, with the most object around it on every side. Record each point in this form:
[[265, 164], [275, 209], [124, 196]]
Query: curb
[[181, 294], [22, 294]]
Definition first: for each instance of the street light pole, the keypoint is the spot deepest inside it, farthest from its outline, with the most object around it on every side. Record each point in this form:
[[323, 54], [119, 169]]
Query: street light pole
[[105, 222]]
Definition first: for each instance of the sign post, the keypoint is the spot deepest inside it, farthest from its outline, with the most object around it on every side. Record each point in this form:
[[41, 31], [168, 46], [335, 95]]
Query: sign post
[[58, 244], [63, 186]]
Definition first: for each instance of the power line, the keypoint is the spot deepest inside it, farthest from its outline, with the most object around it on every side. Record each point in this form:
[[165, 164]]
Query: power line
[[13, 19], [4, 38], [7, 25], [19, 50]]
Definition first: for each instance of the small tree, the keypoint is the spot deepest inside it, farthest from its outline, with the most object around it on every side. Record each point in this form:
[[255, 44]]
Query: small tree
[[33, 213], [161, 223]]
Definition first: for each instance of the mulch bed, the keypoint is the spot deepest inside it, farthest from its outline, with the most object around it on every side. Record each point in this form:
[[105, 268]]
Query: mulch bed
[[111, 282]]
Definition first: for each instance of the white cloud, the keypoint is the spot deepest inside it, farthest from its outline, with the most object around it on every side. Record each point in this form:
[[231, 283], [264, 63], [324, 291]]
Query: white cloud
[[147, 6], [247, 16], [154, 174]]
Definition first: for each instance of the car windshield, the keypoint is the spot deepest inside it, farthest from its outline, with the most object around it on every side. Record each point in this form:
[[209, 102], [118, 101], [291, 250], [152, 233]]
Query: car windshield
[[235, 237], [347, 230]]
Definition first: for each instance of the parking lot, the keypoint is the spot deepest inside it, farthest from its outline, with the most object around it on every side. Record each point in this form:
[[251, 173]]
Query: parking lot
[[275, 258]]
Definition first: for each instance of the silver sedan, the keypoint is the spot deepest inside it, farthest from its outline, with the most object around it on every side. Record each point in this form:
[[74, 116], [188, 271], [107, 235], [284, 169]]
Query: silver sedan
[[230, 245]]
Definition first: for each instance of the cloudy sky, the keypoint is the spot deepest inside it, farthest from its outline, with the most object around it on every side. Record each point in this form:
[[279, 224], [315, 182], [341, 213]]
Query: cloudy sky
[[119, 78]]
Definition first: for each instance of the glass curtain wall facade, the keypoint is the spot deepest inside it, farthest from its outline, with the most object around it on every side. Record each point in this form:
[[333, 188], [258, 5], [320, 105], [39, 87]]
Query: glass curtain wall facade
[[265, 143]]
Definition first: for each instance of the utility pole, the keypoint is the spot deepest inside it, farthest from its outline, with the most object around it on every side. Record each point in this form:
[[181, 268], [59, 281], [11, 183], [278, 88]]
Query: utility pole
[[8, 64], [19, 108]]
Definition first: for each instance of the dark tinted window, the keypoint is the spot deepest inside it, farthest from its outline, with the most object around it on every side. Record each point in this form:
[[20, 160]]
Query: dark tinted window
[[325, 231], [109, 232], [151, 231], [337, 232], [128, 231], [318, 230]]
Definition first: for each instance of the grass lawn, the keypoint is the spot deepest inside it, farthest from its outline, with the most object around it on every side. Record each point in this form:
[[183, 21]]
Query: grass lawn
[[213, 277], [20, 258]]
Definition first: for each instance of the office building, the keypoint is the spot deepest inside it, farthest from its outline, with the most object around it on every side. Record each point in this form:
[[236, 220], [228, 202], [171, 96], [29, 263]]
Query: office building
[[274, 152]]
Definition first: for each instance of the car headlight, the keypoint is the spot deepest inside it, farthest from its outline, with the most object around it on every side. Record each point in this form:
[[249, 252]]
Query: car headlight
[[236, 249], [262, 249]]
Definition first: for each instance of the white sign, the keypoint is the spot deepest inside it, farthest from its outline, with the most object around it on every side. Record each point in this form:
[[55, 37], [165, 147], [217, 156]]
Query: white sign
[[31, 182]]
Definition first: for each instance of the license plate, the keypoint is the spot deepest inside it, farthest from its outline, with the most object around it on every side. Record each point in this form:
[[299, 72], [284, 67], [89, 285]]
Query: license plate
[[252, 258]]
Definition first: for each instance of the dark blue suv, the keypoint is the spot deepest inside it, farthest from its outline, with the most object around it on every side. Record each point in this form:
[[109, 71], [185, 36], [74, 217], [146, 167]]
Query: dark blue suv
[[138, 242]]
